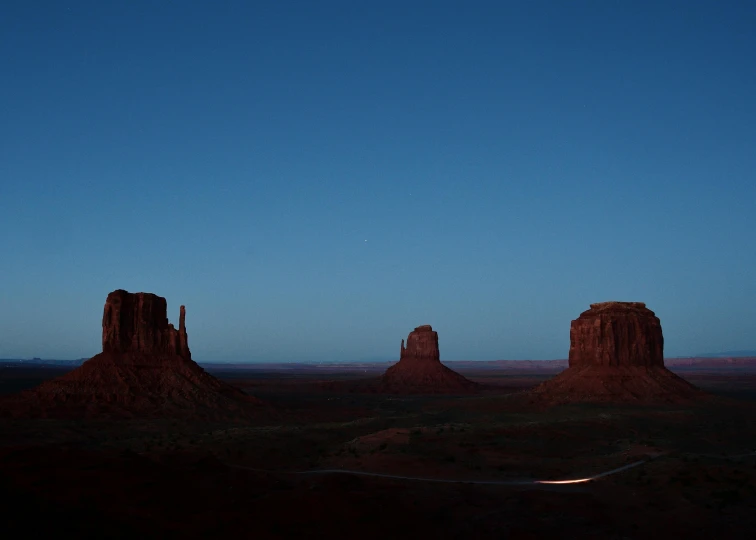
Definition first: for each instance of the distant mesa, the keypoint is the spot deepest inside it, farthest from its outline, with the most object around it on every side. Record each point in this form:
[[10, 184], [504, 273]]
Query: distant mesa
[[616, 355], [420, 371], [728, 354], [145, 369], [712, 362]]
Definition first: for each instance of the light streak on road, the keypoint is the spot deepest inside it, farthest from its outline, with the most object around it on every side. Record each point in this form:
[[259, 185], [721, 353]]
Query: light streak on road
[[590, 478], [453, 481]]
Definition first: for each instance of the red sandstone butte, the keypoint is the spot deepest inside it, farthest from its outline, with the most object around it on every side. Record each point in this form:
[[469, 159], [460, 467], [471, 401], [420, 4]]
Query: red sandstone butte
[[420, 371], [617, 334], [138, 323], [145, 369], [616, 355]]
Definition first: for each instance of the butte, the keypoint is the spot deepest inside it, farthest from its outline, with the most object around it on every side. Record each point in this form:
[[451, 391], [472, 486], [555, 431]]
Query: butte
[[420, 371], [145, 369], [616, 356]]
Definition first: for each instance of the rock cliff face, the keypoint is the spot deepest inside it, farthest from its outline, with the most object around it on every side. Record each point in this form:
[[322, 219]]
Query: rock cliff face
[[138, 323], [145, 369], [617, 334], [616, 355], [422, 344], [420, 371]]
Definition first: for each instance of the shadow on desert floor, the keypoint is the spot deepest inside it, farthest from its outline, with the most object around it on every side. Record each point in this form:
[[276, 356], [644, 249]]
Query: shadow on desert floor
[[158, 477]]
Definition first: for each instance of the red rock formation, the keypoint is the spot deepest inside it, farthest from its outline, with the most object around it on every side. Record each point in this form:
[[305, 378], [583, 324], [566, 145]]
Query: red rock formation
[[420, 371], [137, 323], [422, 344], [616, 355], [617, 334], [145, 369]]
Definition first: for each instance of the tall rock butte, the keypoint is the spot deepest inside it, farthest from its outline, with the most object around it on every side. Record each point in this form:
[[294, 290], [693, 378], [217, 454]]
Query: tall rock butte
[[137, 323], [616, 355], [420, 371], [145, 369], [617, 334]]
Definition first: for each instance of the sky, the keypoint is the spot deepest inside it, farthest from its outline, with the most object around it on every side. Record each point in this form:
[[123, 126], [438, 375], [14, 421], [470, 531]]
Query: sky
[[315, 179]]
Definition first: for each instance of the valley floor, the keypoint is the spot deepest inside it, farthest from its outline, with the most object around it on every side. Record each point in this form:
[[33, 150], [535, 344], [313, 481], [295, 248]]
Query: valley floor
[[177, 478]]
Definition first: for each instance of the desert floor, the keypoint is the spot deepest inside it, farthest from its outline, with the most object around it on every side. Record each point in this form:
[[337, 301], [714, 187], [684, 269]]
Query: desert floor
[[171, 478]]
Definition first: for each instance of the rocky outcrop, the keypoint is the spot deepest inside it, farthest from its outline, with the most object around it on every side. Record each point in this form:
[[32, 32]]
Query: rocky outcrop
[[145, 369], [617, 334], [616, 355], [137, 323], [420, 371], [422, 344]]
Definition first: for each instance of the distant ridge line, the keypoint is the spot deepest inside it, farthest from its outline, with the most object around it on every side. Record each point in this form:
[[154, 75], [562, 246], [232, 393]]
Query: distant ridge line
[[680, 361], [473, 364]]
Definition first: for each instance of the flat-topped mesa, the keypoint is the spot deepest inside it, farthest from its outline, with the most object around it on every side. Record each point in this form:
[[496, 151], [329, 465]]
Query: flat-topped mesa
[[420, 371], [422, 344], [138, 323], [145, 369], [617, 334], [616, 356]]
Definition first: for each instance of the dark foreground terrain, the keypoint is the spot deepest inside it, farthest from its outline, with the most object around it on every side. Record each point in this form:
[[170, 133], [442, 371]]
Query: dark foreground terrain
[[165, 479]]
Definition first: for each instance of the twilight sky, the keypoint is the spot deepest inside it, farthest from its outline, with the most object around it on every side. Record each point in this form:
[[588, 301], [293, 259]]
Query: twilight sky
[[314, 179]]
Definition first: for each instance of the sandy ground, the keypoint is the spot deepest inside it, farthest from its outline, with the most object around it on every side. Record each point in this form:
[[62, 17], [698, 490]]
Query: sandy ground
[[166, 478]]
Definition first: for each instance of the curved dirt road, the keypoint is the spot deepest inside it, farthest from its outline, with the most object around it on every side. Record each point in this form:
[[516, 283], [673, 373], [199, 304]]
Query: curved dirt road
[[486, 482], [452, 481]]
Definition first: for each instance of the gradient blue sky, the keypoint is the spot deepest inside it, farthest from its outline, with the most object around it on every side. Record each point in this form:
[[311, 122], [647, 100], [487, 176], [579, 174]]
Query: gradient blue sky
[[315, 179]]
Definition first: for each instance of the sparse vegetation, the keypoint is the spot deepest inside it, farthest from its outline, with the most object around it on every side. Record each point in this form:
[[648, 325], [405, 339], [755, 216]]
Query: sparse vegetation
[[459, 437]]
